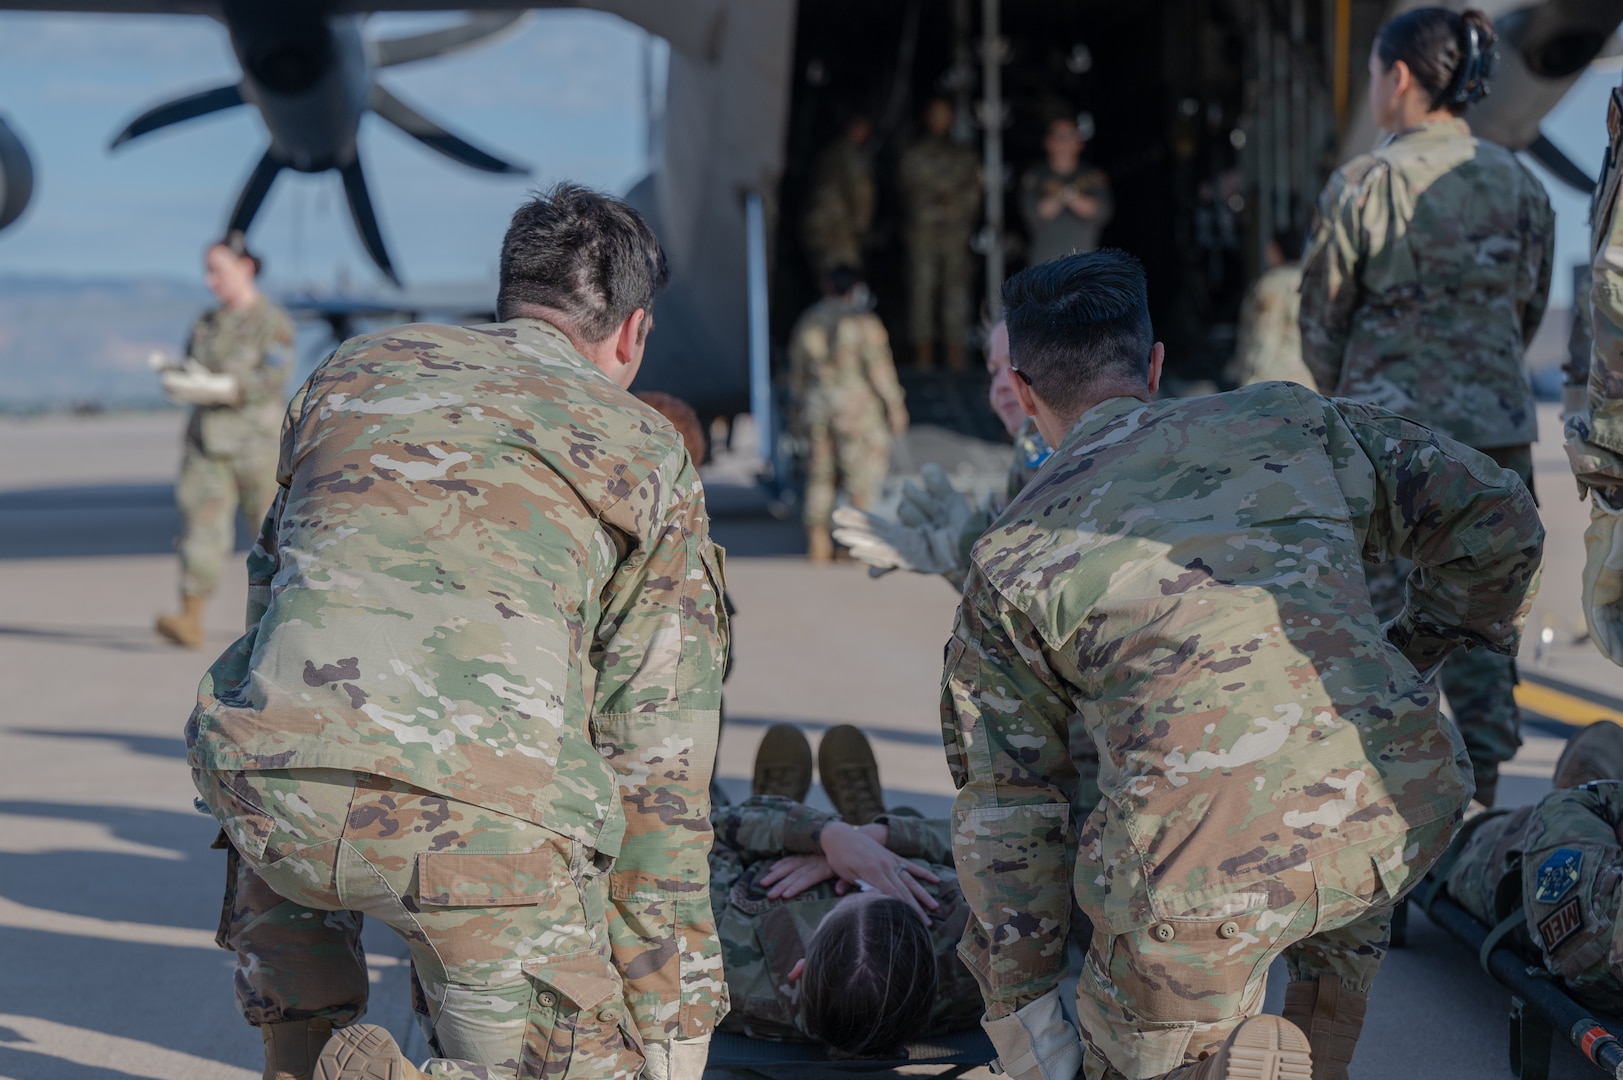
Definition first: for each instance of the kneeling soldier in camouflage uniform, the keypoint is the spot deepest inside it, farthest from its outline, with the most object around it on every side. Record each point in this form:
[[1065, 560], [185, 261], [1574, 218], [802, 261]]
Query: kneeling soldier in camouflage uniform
[[1184, 578], [477, 698], [1552, 870]]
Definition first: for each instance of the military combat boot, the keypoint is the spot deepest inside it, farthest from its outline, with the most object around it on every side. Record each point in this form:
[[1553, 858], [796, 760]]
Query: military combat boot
[[819, 544], [1264, 1047], [850, 775], [1592, 753], [1332, 1017], [187, 627], [364, 1052], [291, 1048], [783, 764]]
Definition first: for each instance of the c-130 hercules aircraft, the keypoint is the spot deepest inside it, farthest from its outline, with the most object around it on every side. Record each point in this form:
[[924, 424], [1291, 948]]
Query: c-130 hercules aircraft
[[1218, 121]]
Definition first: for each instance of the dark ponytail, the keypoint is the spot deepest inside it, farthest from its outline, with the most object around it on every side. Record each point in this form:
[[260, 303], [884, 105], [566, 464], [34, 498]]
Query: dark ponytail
[[1451, 56], [870, 979]]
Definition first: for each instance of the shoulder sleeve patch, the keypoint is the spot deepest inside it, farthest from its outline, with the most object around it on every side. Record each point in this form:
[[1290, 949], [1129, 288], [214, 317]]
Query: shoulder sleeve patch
[[1567, 920], [1558, 874]]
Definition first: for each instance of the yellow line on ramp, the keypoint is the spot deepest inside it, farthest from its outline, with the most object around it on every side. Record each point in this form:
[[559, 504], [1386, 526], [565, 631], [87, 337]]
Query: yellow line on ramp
[[1561, 706]]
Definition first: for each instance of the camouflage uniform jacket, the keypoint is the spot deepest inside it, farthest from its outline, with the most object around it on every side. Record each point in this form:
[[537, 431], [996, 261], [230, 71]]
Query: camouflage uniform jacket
[[842, 197], [1031, 451], [1185, 579], [256, 346], [1067, 232], [1425, 280], [1557, 865], [941, 185], [1270, 341], [1595, 437], [841, 370], [488, 573], [762, 939]]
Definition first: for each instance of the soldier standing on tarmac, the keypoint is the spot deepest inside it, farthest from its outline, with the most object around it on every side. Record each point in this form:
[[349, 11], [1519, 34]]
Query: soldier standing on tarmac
[[848, 400], [841, 200], [1594, 414], [477, 699], [236, 368], [941, 191], [1184, 579], [1425, 280]]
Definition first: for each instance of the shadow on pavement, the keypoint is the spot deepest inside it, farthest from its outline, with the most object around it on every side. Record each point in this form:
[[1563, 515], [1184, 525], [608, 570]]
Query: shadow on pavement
[[92, 520], [164, 746]]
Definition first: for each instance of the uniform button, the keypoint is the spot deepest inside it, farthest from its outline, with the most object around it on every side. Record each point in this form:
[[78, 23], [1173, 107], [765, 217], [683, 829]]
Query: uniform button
[[548, 999], [1229, 929], [1162, 932], [609, 1016]]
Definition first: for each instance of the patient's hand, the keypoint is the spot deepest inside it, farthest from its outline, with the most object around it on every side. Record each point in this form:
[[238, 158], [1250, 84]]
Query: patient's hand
[[794, 874]]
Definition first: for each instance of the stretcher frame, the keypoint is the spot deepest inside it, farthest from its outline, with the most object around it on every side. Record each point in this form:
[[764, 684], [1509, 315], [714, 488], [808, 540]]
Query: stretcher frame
[[1539, 1007], [764, 1059]]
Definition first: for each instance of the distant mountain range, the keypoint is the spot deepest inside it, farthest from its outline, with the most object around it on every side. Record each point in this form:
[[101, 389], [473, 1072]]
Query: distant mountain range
[[82, 343]]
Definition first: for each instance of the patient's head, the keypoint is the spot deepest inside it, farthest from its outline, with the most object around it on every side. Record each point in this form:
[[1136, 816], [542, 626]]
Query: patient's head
[[869, 977]]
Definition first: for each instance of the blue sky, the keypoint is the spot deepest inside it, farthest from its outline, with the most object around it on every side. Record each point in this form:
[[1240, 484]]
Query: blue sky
[[563, 94]]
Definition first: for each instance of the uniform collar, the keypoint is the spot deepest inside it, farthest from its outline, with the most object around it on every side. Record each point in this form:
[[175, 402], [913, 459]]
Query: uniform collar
[[1096, 419], [542, 336], [1454, 127]]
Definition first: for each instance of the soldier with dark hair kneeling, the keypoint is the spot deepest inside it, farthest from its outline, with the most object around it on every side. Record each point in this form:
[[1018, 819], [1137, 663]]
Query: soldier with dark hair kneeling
[[1185, 580]]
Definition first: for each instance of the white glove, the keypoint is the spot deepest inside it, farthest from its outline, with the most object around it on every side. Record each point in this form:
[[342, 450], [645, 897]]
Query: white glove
[[1037, 1043], [1603, 577], [196, 385], [938, 504], [679, 1059], [928, 538]]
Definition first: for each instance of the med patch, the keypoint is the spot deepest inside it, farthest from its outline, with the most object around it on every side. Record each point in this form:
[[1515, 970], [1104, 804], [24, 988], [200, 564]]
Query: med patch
[[1567, 920], [1558, 874]]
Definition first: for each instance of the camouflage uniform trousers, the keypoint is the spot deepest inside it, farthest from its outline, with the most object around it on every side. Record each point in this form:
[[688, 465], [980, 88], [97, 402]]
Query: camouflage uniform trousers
[[1480, 685], [210, 491], [938, 274], [506, 922], [849, 457], [1160, 996]]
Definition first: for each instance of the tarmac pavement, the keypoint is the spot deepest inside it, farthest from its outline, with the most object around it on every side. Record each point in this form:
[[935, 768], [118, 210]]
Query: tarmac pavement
[[109, 893]]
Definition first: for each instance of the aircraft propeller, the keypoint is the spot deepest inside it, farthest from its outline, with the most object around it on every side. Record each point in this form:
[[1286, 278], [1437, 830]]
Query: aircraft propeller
[[311, 87]]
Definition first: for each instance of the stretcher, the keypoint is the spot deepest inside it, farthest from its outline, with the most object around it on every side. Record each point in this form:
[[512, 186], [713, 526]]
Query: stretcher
[[762, 1059], [1539, 1007]]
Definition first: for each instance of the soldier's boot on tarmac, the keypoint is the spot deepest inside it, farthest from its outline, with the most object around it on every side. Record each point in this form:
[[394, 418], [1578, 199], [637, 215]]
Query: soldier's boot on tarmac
[[924, 355], [1262, 1048], [1332, 1017], [364, 1052], [954, 354], [850, 775], [292, 1047], [1593, 753], [185, 628], [783, 764], [819, 544]]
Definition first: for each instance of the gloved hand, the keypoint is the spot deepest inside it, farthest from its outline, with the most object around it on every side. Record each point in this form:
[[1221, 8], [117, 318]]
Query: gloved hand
[[195, 384], [679, 1059], [1037, 1042], [1603, 577], [927, 540]]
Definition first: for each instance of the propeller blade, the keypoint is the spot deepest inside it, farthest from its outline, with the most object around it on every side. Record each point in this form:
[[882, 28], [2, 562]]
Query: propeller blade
[[433, 136], [255, 190], [16, 175], [173, 112], [478, 27], [366, 222], [1547, 154]]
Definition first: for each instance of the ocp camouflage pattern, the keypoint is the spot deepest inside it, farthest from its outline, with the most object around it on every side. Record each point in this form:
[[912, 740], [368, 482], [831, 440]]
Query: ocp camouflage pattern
[[488, 574], [1594, 440], [1425, 280], [840, 207], [1269, 345], [1184, 579]]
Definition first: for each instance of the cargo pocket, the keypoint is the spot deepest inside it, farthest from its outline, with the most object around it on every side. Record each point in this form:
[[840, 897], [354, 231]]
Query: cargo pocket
[[236, 806], [489, 879], [578, 1026]]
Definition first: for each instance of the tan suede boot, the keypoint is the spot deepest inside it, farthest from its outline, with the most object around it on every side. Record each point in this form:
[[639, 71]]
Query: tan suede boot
[[1592, 753], [1264, 1047], [819, 544], [1332, 1017], [187, 627], [364, 1052], [924, 355], [783, 764], [850, 776], [291, 1048]]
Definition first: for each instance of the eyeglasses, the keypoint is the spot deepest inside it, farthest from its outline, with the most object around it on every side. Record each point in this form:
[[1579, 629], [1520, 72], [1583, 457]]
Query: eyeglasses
[[1016, 371]]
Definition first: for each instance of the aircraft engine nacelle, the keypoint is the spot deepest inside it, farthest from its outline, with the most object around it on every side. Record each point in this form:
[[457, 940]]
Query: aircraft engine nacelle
[[16, 175]]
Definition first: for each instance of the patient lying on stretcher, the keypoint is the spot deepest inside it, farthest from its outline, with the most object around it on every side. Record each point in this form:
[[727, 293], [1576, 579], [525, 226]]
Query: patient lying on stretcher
[[842, 929], [1553, 869]]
